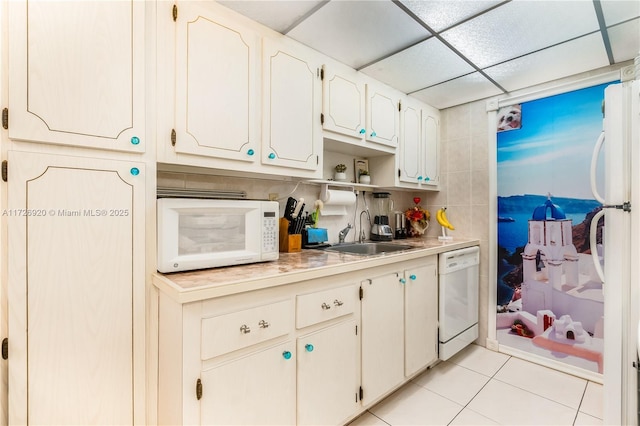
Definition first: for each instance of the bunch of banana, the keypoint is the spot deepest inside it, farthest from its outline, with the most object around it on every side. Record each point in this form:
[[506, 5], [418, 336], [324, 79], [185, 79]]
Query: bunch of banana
[[441, 217]]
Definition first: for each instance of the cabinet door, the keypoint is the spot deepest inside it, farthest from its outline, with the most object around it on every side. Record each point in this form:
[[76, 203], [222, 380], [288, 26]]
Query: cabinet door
[[409, 156], [421, 316], [327, 375], [216, 85], [292, 136], [76, 72], [382, 335], [258, 389], [382, 116], [343, 101], [76, 290], [430, 146]]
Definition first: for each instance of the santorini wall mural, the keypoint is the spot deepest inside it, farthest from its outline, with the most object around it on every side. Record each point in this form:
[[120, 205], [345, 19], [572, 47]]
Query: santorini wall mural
[[550, 300]]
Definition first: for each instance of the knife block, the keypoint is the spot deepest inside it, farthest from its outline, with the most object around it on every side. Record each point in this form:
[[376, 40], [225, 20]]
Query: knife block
[[289, 243]]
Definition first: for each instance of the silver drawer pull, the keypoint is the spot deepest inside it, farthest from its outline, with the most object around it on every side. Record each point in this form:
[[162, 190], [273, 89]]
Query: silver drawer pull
[[338, 302], [263, 324], [245, 329], [325, 306]]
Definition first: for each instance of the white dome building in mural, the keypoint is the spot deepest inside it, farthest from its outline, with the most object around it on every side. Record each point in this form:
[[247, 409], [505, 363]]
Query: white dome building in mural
[[554, 277]]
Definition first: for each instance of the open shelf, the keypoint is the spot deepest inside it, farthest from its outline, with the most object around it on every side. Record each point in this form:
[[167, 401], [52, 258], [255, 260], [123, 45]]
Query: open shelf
[[356, 186]]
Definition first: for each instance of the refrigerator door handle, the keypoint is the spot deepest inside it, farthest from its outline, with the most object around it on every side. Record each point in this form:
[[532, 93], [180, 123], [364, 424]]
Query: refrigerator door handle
[[594, 165], [593, 244]]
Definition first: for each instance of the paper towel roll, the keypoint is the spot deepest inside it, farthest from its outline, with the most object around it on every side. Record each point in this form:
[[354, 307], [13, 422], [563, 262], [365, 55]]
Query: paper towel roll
[[336, 202]]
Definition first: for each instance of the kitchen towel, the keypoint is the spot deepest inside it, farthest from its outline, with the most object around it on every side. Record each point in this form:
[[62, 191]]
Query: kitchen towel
[[335, 202]]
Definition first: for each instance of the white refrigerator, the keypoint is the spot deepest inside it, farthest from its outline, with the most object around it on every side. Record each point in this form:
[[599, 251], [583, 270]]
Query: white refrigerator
[[619, 143]]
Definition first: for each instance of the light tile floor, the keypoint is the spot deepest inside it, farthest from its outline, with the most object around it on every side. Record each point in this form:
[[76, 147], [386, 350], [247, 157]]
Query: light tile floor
[[482, 387]]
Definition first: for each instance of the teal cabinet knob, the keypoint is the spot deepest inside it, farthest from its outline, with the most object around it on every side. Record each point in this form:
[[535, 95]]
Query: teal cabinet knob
[[412, 277], [286, 355], [427, 178], [135, 140], [374, 134], [308, 347], [272, 156], [135, 171], [363, 131], [251, 152], [420, 178], [402, 281]]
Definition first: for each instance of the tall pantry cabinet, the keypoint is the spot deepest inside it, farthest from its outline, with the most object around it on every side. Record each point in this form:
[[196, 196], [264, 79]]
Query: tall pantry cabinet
[[75, 173]]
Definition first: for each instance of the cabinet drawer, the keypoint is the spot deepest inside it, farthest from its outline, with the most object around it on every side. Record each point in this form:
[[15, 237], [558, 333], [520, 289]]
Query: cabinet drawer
[[325, 305], [237, 330]]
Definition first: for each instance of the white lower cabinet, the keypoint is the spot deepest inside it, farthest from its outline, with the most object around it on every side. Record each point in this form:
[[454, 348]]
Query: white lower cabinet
[[382, 335], [311, 353], [327, 379], [421, 316], [259, 388], [76, 288]]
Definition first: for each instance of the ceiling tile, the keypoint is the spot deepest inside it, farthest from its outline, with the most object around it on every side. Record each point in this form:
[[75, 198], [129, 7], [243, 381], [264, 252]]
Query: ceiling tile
[[459, 91], [625, 40], [616, 11], [442, 14], [521, 27], [573, 57], [420, 66], [359, 32], [278, 15]]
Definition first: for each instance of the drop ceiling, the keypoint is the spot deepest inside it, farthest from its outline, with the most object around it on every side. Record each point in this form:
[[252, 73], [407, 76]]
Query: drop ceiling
[[452, 52]]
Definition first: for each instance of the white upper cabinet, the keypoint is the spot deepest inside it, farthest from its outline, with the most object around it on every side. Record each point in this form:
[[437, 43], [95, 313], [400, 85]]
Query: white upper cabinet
[[430, 146], [246, 99], [217, 87], [409, 162], [382, 121], [76, 72], [416, 164], [358, 112], [343, 101], [292, 133], [419, 144]]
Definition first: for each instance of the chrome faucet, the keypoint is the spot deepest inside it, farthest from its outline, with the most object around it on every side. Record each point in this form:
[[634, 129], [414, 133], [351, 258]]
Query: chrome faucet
[[343, 233], [362, 236]]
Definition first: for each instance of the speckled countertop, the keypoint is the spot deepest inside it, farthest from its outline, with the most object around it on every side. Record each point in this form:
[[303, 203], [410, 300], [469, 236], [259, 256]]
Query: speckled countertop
[[203, 284]]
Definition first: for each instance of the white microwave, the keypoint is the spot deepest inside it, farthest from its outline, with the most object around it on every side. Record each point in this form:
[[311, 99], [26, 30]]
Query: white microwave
[[202, 233]]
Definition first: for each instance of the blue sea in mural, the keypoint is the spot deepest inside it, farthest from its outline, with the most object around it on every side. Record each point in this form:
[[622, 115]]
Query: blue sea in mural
[[514, 213], [514, 234]]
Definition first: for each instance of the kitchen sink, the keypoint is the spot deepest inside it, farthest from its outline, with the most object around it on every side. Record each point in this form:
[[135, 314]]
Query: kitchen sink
[[368, 248]]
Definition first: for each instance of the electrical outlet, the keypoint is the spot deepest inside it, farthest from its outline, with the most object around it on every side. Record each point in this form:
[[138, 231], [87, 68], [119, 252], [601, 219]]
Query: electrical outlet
[[273, 196]]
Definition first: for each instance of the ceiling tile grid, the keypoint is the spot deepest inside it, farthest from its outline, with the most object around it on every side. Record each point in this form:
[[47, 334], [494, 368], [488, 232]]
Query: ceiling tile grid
[[519, 28], [356, 33], [551, 64], [458, 91], [448, 52], [422, 65], [439, 15]]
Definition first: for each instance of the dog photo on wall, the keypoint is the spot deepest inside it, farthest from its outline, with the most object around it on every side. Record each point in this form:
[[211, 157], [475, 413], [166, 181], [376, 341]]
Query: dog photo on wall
[[509, 118]]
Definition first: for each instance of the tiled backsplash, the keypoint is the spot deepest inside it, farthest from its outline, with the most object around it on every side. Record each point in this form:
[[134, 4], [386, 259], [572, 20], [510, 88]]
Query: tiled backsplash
[[261, 188], [465, 184]]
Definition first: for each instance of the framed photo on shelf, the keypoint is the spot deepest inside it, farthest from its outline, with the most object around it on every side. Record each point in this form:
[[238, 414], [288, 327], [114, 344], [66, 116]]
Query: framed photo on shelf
[[359, 166]]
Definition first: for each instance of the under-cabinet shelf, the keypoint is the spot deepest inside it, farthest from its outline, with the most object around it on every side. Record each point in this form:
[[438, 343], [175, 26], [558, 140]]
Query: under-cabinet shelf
[[356, 186]]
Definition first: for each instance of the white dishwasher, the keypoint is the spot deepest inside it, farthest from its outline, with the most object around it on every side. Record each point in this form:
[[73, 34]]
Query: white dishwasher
[[458, 300]]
